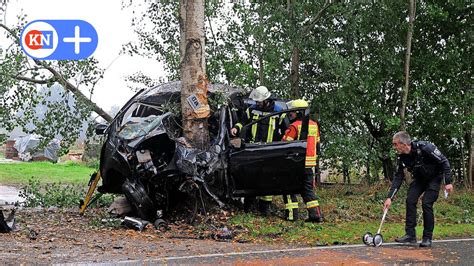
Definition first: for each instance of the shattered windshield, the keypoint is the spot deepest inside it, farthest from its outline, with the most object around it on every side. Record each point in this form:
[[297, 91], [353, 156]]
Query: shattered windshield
[[136, 127]]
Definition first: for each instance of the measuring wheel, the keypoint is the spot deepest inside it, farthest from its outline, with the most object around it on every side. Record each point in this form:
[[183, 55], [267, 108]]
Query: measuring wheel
[[378, 240], [367, 239]]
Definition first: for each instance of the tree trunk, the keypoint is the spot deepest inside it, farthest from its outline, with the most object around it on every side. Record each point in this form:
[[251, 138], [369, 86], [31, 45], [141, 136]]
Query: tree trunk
[[295, 51], [387, 167], [407, 64], [367, 166], [295, 72], [317, 175], [182, 31], [261, 77], [470, 163], [345, 173], [193, 75]]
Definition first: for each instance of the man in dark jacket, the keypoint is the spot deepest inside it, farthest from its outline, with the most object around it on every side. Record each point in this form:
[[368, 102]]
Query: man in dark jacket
[[429, 167], [267, 130]]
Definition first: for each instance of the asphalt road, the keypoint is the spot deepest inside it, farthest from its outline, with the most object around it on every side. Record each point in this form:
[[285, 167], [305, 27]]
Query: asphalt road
[[452, 252]]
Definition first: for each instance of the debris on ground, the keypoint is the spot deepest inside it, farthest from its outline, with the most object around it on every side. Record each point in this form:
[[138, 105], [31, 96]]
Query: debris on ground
[[120, 207], [223, 234], [7, 218], [135, 223]]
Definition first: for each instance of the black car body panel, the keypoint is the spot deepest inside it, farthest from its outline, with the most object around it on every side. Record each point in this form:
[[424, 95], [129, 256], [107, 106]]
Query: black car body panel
[[268, 168]]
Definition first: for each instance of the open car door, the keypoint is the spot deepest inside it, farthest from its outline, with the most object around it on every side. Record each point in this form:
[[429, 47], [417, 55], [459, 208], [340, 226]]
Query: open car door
[[275, 168]]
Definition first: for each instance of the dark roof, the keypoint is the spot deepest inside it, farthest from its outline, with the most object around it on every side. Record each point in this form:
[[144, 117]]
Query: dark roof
[[164, 92]]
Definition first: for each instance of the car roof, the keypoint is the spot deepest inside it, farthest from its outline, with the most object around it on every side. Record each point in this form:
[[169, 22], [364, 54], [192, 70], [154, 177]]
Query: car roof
[[164, 92]]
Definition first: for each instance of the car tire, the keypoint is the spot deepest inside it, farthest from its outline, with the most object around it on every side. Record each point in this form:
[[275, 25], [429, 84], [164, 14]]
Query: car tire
[[137, 196]]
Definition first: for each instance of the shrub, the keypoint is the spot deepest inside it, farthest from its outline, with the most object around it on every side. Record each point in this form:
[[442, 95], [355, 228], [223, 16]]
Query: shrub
[[56, 194]]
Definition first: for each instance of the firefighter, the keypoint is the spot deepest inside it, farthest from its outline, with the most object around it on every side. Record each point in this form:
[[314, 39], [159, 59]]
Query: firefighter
[[267, 130], [308, 195], [429, 167]]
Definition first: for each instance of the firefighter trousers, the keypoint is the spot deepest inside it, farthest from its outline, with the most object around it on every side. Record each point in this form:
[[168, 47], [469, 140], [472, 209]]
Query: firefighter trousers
[[308, 195]]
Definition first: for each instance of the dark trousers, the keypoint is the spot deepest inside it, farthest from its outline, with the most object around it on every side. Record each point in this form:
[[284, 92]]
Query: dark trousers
[[430, 191], [308, 187]]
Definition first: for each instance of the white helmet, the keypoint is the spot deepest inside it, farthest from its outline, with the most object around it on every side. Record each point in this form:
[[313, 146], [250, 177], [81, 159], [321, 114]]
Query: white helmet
[[260, 94]]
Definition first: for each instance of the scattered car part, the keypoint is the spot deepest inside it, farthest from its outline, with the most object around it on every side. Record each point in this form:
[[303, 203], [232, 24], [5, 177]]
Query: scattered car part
[[120, 207], [160, 224], [223, 234], [377, 239], [134, 223], [4, 228]]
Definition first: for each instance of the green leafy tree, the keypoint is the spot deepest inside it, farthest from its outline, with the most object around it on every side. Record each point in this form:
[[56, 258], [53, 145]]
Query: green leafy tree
[[350, 64]]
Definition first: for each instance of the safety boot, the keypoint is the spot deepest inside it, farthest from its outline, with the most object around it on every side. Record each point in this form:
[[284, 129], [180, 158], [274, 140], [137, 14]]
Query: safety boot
[[425, 243], [249, 204], [314, 215], [406, 239], [291, 215]]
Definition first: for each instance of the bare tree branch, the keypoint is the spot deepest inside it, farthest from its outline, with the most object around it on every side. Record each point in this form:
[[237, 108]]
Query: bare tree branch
[[315, 19], [68, 86], [38, 81], [12, 33], [60, 79]]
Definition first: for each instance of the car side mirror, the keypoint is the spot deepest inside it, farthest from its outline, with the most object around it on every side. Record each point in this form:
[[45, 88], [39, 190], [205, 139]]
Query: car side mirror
[[237, 143], [100, 129]]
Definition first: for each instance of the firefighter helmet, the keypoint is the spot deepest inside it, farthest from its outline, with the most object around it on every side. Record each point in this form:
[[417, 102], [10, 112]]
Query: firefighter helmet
[[300, 103], [260, 94]]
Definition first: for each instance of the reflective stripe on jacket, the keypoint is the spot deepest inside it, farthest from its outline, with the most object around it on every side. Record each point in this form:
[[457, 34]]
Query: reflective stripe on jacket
[[294, 133]]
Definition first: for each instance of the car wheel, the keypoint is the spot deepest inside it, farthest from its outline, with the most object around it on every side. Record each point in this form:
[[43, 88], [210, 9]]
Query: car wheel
[[136, 194]]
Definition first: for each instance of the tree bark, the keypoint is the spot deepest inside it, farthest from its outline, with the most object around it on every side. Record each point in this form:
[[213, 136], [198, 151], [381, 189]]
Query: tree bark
[[295, 55], [193, 75], [387, 167], [261, 72], [295, 72], [182, 31], [470, 163], [411, 18]]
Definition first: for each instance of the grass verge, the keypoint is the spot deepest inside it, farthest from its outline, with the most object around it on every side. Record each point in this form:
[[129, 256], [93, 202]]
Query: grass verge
[[352, 211], [45, 172]]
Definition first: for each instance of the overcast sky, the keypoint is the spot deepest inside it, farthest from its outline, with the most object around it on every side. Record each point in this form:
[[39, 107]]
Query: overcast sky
[[113, 28]]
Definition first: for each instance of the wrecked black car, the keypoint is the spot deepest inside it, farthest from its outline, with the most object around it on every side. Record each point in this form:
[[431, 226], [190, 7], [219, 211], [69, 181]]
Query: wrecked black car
[[145, 157]]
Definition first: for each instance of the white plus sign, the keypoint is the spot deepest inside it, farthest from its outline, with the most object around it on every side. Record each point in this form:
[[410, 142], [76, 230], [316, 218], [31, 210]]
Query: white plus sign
[[77, 39]]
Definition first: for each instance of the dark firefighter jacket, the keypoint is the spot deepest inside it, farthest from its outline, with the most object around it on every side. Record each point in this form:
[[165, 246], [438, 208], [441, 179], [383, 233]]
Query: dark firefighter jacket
[[267, 130], [424, 162]]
